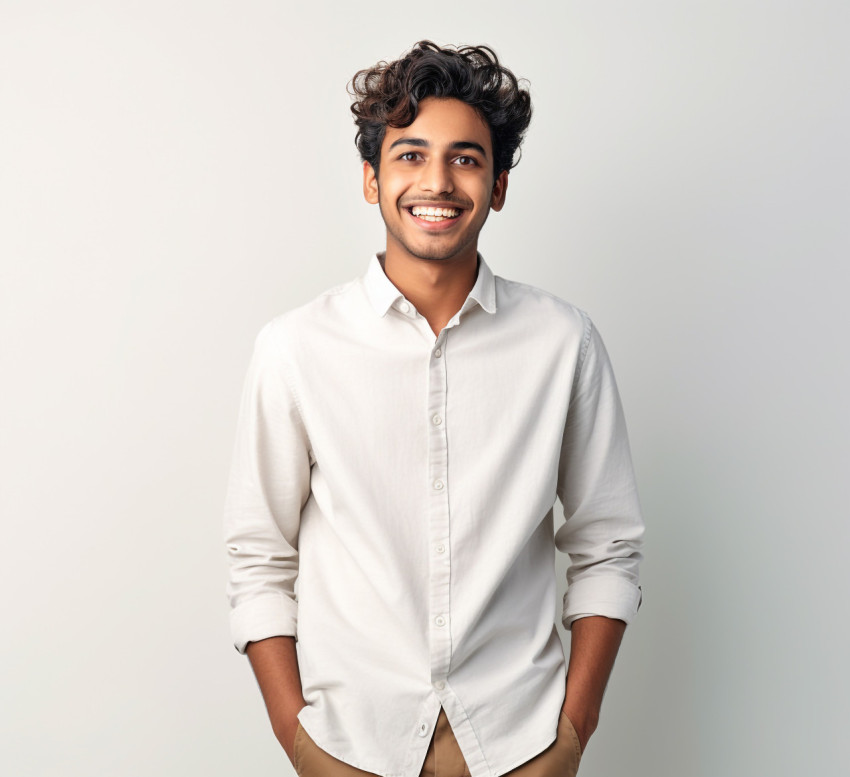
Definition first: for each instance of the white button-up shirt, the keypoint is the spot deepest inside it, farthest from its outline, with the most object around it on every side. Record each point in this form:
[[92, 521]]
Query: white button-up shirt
[[391, 505]]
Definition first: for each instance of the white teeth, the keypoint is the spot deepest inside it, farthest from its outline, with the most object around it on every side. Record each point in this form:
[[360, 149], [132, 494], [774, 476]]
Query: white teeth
[[434, 214]]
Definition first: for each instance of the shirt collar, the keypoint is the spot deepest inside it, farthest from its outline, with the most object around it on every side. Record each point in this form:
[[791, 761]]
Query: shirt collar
[[383, 295]]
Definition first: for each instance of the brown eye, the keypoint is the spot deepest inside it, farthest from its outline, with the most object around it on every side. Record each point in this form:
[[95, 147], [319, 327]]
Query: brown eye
[[466, 161]]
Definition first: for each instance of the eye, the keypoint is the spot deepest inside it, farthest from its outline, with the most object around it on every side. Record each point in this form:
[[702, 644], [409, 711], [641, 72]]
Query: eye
[[466, 161], [409, 156]]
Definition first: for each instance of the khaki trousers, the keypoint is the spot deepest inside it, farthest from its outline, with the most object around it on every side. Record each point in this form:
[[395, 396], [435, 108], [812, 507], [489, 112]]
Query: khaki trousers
[[444, 758]]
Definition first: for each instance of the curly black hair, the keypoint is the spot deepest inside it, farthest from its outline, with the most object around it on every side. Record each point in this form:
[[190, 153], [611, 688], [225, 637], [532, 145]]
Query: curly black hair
[[388, 95]]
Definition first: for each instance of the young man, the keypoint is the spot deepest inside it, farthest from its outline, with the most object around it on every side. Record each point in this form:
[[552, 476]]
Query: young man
[[401, 444]]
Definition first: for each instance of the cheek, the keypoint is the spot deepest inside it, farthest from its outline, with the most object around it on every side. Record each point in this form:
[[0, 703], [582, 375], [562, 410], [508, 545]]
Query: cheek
[[484, 190], [392, 190], [484, 198]]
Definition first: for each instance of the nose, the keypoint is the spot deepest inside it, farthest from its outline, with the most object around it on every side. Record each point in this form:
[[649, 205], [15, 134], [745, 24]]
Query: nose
[[436, 177]]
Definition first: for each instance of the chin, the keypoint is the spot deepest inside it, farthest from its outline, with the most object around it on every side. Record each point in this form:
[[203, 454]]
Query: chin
[[437, 253]]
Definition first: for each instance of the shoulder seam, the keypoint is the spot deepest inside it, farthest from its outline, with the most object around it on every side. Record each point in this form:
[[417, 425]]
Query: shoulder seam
[[543, 293]]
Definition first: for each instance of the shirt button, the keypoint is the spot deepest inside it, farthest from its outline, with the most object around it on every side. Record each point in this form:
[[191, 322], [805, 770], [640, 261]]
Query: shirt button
[[439, 685], [423, 729], [440, 620], [438, 352], [440, 548], [404, 307], [438, 484], [437, 420]]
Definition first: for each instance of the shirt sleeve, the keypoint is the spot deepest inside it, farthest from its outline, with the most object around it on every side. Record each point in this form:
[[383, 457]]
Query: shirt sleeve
[[268, 486], [603, 532]]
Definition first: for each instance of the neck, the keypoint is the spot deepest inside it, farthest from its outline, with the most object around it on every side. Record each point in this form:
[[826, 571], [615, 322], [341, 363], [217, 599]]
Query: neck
[[436, 287]]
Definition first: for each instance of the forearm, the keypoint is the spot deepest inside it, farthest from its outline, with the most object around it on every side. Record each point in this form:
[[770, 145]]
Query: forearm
[[275, 664], [594, 644]]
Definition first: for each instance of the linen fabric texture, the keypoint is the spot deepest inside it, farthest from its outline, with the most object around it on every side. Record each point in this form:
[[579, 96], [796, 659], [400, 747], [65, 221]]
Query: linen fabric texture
[[391, 504]]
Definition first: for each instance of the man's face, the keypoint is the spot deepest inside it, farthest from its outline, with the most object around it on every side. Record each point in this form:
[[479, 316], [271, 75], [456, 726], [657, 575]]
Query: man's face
[[444, 160]]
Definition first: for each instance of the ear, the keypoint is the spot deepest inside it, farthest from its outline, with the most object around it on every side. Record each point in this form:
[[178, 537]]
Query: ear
[[500, 189], [370, 184]]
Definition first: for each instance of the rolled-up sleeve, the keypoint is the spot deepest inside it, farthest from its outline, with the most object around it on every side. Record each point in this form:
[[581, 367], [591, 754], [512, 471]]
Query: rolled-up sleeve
[[603, 532], [268, 486]]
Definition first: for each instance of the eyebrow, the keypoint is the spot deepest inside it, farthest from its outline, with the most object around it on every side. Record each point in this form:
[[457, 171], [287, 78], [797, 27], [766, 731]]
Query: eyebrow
[[460, 145]]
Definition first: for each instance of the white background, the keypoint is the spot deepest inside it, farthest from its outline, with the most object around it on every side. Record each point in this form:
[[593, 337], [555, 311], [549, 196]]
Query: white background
[[174, 174]]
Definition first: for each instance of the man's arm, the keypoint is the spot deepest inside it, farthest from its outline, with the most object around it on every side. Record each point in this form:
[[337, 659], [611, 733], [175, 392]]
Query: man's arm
[[268, 487], [275, 664], [603, 533], [593, 648]]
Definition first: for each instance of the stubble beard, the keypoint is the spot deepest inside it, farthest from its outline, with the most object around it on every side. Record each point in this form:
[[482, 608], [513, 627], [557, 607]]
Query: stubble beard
[[435, 253]]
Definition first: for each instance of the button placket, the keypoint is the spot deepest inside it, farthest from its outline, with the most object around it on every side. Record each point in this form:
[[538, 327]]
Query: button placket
[[439, 514]]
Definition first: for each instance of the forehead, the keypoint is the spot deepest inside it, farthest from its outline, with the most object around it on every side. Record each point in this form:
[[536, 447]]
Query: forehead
[[441, 122]]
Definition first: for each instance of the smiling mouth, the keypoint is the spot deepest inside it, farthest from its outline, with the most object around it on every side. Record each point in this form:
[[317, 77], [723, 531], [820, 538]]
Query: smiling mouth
[[434, 214]]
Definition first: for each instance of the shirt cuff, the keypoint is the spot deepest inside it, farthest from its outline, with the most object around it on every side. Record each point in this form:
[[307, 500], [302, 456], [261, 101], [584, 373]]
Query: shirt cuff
[[261, 618], [611, 597]]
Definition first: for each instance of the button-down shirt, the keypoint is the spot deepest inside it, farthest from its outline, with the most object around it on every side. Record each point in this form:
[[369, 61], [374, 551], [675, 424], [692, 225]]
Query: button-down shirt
[[391, 504]]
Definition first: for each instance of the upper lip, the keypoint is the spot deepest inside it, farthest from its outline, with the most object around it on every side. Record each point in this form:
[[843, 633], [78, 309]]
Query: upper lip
[[433, 204]]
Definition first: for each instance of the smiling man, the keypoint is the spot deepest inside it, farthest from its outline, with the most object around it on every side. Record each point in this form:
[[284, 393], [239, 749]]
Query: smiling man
[[401, 445], [438, 190]]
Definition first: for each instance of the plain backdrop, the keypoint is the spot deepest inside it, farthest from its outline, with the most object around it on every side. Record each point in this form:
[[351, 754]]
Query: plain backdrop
[[174, 174]]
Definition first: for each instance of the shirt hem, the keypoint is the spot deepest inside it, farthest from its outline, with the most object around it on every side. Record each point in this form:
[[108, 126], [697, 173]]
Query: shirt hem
[[349, 762]]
